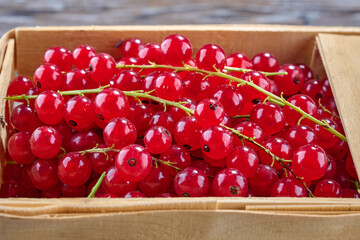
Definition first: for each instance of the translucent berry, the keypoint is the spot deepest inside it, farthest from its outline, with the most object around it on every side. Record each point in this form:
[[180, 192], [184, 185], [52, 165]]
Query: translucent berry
[[157, 139], [216, 142], [230, 182], [24, 118], [60, 57], [191, 182], [157, 182], [187, 133], [79, 113], [245, 159], [119, 133], [177, 156], [209, 57], [209, 112], [262, 181], [49, 106], [45, 142], [265, 62], [114, 184], [177, 49], [328, 188], [48, 77], [19, 148], [169, 86], [74, 169], [288, 187], [82, 55], [102, 67], [292, 82], [130, 47], [269, 117], [43, 174]]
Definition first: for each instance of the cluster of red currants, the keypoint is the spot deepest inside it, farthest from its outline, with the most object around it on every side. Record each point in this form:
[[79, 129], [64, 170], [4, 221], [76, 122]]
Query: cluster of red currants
[[162, 123]]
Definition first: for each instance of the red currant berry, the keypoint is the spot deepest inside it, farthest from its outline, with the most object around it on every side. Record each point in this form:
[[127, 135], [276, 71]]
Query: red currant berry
[[204, 166], [196, 86], [134, 163], [82, 55], [127, 80], [157, 139], [45, 142], [163, 119], [148, 83], [43, 174], [19, 85], [187, 133], [140, 115], [252, 130], [328, 188], [60, 57], [169, 86], [134, 194], [216, 142], [350, 167], [308, 74], [209, 112], [230, 98], [72, 192], [151, 53], [238, 60], [130, 47], [178, 157], [74, 169], [177, 49], [78, 79], [19, 148], [109, 104], [349, 193], [265, 62], [313, 88], [292, 82], [244, 159], [262, 181], [305, 103], [48, 77], [24, 119], [278, 146], [326, 139], [79, 113], [49, 106], [102, 68], [12, 189], [300, 135], [269, 117], [157, 182], [80, 141], [178, 113], [101, 162], [230, 182], [310, 162], [115, 184], [288, 187], [191, 182], [119, 133], [209, 57]]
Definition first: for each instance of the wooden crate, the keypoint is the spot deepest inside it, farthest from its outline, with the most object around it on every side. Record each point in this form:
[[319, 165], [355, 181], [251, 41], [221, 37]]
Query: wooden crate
[[334, 49]]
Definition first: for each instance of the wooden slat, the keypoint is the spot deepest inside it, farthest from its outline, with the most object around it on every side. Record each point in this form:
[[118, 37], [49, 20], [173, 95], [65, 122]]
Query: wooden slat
[[341, 58]]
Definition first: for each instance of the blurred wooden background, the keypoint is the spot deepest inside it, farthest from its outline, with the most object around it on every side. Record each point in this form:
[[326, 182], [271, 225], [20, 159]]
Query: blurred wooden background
[[15, 13]]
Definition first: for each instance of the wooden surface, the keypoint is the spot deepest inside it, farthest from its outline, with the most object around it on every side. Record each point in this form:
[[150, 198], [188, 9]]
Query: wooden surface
[[159, 12]]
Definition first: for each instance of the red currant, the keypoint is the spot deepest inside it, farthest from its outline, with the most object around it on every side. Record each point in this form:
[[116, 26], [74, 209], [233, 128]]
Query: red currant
[[119, 133], [49, 106], [209, 57], [212, 147], [157, 139], [60, 57], [74, 169], [230, 182], [191, 182], [45, 142], [82, 55], [177, 49], [48, 77], [43, 174], [102, 68], [79, 113]]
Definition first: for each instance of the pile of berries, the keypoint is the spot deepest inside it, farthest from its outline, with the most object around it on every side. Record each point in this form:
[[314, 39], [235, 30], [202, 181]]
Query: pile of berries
[[160, 122]]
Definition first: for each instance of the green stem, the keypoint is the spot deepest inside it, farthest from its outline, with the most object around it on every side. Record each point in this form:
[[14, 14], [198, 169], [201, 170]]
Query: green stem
[[97, 185], [244, 70], [272, 97], [240, 116], [170, 164]]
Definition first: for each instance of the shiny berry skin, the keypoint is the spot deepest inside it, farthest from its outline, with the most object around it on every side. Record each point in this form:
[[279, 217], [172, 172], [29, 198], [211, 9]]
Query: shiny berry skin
[[102, 68], [300, 135], [265, 62], [19, 85], [204, 166], [151, 52], [19, 148], [250, 95], [238, 60], [148, 83], [230, 98], [119, 133], [245, 159], [114, 183], [252, 130], [24, 118], [191, 182], [157, 139], [140, 115], [72, 192], [349, 193], [134, 163], [43, 174], [49, 106], [126, 80], [313, 88], [130, 47], [163, 119], [99, 161], [278, 146], [308, 74], [178, 113], [288, 187], [292, 82], [218, 163], [209, 112], [350, 167], [310, 162], [48, 77], [178, 156], [305, 103], [196, 86], [177, 50], [65, 133], [230, 182], [216, 142], [109, 104], [209, 57], [157, 182], [269, 117], [330, 171], [77, 79], [187, 133], [328, 188], [82, 55], [325, 138], [80, 141], [262, 181], [60, 57], [45, 142], [134, 194], [79, 113], [74, 169], [12, 189], [168, 85]]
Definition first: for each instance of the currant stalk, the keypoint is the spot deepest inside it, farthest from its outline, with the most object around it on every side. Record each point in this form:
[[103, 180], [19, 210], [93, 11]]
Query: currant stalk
[[96, 186]]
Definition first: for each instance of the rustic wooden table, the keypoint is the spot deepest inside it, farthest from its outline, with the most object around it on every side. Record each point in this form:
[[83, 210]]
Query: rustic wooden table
[[15, 13]]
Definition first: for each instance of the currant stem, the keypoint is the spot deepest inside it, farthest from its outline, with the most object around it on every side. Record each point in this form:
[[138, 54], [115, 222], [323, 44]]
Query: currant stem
[[240, 116], [272, 97], [96, 186], [244, 70], [170, 164]]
